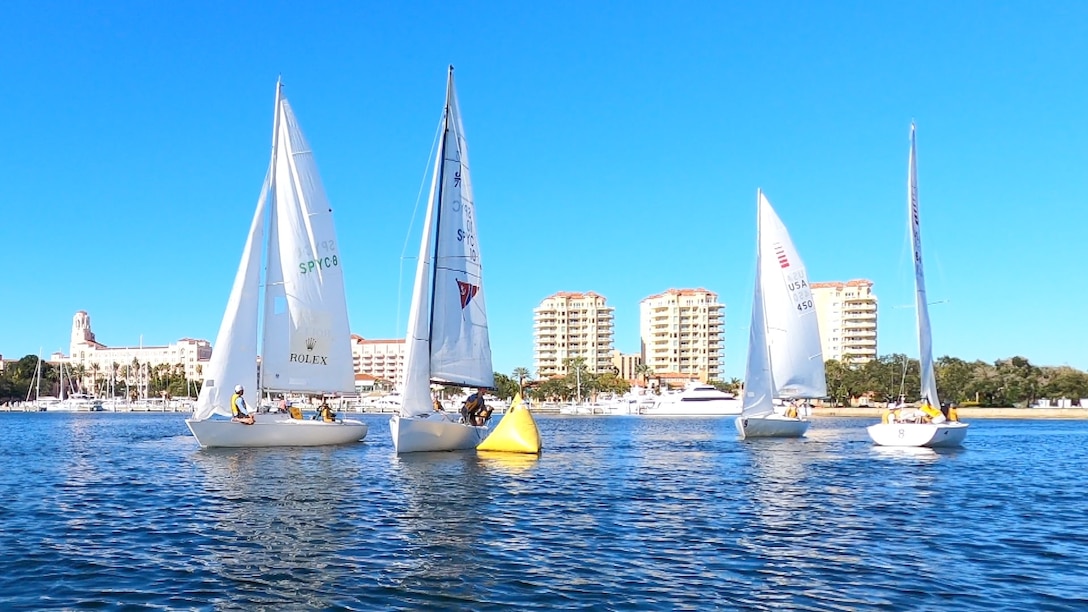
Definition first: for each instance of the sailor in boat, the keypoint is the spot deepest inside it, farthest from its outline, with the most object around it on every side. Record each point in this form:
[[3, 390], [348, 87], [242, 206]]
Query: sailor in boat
[[325, 413], [238, 408], [931, 414], [438, 405], [951, 414], [892, 413], [791, 410], [475, 411]]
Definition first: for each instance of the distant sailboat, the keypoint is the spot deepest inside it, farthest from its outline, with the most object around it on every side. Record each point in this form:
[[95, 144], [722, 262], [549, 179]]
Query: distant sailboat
[[300, 318], [784, 357], [935, 429], [447, 339]]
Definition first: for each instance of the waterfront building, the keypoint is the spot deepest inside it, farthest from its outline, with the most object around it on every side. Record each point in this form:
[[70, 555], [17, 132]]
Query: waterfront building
[[129, 364], [847, 315], [381, 359], [683, 333], [625, 365], [569, 325]]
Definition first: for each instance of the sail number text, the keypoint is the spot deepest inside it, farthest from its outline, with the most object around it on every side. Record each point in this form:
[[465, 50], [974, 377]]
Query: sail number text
[[318, 262]]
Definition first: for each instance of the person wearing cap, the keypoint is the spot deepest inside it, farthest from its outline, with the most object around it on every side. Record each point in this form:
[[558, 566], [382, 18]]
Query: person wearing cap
[[238, 409]]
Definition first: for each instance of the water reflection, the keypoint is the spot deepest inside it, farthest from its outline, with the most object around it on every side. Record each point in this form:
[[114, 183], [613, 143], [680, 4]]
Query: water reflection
[[442, 523], [273, 520], [511, 463]]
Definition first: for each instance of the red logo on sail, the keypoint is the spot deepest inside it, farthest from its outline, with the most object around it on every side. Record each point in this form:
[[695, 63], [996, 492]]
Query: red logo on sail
[[780, 254], [467, 292]]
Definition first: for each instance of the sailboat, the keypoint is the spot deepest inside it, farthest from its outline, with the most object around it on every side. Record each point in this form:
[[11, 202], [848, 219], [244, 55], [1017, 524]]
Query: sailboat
[[785, 361], [447, 339], [938, 431], [298, 317]]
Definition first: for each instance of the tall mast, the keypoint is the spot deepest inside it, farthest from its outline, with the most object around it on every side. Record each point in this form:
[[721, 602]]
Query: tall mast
[[438, 202], [271, 215]]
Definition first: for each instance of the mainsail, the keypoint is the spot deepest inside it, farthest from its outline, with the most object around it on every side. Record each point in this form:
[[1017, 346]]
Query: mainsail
[[925, 340], [307, 336], [758, 377]]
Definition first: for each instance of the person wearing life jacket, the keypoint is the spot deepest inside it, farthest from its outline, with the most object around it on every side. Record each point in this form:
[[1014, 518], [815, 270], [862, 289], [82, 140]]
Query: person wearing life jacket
[[932, 413], [238, 409], [952, 415], [325, 413], [791, 412]]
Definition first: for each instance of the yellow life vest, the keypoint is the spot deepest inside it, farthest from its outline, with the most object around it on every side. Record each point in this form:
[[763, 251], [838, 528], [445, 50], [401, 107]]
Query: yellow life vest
[[234, 405], [931, 411]]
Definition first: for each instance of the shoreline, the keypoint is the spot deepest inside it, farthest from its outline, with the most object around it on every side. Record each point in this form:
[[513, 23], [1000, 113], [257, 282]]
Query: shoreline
[[965, 414]]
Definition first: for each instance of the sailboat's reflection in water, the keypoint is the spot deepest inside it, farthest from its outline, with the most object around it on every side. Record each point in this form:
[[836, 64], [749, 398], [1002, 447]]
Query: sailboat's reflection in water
[[273, 521], [447, 507]]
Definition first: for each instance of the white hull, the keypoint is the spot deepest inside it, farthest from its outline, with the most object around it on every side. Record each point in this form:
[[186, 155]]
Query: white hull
[[771, 426], [67, 406], [931, 435], [434, 433], [731, 407], [279, 432]]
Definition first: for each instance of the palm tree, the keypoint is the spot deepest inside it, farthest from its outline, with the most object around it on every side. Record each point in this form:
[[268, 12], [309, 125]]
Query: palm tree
[[645, 372], [521, 374]]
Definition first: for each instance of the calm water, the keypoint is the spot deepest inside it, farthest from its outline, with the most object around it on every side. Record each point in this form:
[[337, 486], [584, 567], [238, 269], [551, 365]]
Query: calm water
[[619, 513]]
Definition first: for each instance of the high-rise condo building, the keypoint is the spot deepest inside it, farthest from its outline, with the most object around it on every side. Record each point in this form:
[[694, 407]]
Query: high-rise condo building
[[682, 332], [846, 312], [568, 326], [382, 359]]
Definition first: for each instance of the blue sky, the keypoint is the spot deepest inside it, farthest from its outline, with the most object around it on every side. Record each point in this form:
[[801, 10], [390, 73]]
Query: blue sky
[[616, 147]]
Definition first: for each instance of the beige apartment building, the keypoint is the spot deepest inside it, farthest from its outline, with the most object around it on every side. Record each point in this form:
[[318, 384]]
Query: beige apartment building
[[382, 359], [682, 333], [569, 325], [846, 312], [625, 365]]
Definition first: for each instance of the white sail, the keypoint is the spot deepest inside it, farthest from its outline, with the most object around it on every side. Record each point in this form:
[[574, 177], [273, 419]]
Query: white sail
[[416, 399], [447, 336], [234, 357], [460, 346], [925, 340], [308, 346], [789, 310], [758, 377]]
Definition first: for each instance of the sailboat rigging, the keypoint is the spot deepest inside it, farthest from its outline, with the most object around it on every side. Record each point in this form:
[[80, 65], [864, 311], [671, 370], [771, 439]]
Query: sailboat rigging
[[298, 317], [930, 426], [447, 339], [785, 361]]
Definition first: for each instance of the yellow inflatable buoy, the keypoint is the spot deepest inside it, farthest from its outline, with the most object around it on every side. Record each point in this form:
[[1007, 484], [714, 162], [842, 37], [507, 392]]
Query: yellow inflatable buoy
[[515, 433]]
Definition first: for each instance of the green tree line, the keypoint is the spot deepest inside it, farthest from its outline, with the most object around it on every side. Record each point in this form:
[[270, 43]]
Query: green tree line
[[1005, 382], [17, 381]]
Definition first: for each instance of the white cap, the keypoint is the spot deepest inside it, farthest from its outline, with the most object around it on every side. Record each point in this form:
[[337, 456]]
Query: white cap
[[237, 388]]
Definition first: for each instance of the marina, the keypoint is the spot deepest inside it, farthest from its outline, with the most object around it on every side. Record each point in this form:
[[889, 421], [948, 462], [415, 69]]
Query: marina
[[616, 513]]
